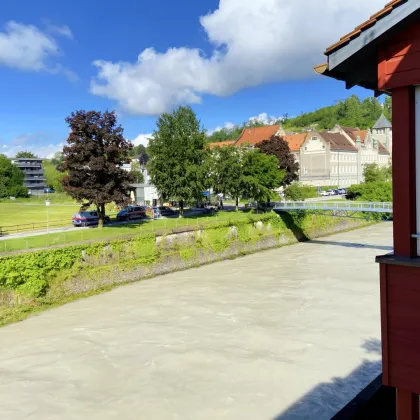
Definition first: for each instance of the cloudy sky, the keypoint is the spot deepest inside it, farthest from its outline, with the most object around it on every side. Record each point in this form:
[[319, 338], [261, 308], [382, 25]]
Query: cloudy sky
[[231, 60]]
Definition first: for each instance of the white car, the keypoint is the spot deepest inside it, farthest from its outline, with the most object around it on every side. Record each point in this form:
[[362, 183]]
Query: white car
[[324, 193]]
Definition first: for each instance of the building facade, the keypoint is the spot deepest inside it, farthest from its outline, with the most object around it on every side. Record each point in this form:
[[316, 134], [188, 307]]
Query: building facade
[[34, 174]]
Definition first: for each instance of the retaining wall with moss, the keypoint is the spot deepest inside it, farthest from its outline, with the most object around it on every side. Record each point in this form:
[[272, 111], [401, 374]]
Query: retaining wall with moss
[[53, 275]]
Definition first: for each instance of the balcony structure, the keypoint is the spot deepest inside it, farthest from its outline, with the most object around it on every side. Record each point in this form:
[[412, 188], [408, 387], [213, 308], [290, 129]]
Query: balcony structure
[[34, 174]]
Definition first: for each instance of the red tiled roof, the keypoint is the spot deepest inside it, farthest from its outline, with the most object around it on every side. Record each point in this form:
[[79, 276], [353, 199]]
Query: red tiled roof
[[295, 141], [222, 144], [338, 141], [382, 149], [370, 22], [255, 135], [353, 133]]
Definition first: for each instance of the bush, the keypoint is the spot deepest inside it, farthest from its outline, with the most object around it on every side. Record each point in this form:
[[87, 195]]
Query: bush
[[299, 192], [371, 191]]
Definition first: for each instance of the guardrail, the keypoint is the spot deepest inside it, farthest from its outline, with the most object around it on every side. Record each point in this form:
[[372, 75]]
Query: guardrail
[[345, 206]]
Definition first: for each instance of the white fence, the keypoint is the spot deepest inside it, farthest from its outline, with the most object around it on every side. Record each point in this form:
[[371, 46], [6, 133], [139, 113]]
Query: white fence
[[344, 206]]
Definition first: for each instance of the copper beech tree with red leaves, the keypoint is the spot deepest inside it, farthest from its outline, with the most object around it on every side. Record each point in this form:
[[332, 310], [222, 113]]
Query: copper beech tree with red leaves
[[95, 152], [279, 148]]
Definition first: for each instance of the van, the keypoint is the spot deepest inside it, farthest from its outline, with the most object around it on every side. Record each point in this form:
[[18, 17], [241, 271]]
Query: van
[[87, 218], [132, 212]]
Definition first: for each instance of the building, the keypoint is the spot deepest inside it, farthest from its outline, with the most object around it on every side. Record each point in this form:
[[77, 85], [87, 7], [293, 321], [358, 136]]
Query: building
[[382, 54], [339, 156], [144, 193], [34, 174], [336, 157]]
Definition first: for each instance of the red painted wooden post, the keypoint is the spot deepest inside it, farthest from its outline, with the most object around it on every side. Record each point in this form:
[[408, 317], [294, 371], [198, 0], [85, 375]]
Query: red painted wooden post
[[404, 173], [407, 405]]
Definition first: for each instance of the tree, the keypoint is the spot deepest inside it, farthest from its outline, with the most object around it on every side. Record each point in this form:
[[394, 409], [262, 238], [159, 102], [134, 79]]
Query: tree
[[11, 179], [373, 173], [177, 151], [227, 171], [388, 108], [57, 160], [279, 148], [54, 178], [299, 192], [25, 154], [136, 172], [93, 160], [261, 175]]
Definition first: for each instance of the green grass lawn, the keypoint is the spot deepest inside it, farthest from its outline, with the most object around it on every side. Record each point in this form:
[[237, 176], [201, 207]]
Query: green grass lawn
[[111, 232]]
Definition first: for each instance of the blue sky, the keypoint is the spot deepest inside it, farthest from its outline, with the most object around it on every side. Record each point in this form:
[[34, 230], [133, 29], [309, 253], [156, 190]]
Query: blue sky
[[230, 60]]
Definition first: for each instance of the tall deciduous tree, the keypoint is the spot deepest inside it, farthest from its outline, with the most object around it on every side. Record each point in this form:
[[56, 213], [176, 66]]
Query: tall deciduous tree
[[53, 176], [93, 158], [279, 148], [177, 152], [11, 179], [227, 171], [26, 154], [136, 172], [261, 175]]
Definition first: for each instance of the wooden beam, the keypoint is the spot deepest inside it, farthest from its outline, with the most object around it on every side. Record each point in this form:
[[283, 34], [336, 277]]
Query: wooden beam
[[404, 171], [407, 405]]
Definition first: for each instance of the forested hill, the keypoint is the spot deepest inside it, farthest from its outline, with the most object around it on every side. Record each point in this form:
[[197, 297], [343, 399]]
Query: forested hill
[[352, 112]]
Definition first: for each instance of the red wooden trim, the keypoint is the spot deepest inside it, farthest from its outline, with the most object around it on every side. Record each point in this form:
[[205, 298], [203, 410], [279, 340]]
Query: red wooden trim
[[404, 171], [407, 405], [384, 323], [403, 79], [382, 76]]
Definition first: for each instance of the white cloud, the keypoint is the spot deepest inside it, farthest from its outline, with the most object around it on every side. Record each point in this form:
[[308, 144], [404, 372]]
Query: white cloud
[[46, 151], [142, 139], [254, 42], [265, 119], [227, 126], [25, 47], [62, 30]]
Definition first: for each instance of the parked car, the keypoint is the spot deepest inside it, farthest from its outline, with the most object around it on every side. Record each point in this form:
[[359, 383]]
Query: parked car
[[343, 191], [87, 218], [331, 192], [324, 193], [165, 210], [49, 190], [131, 213]]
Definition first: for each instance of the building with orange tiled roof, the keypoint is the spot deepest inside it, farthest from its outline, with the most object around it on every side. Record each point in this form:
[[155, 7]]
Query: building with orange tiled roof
[[254, 135], [222, 144]]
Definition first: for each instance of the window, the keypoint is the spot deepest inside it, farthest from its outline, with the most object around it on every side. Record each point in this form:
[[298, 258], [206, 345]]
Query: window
[[314, 138], [305, 170]]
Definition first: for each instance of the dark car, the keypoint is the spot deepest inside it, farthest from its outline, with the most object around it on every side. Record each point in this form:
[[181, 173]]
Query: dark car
[[165, 211], [87, 218], [131, 213], [49, 190]]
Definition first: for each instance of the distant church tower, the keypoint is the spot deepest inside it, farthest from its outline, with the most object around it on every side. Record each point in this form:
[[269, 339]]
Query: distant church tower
[[382, 131]]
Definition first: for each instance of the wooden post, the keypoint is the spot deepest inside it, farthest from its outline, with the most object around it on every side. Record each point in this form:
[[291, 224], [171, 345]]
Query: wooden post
[[407, 405], [404, 173]]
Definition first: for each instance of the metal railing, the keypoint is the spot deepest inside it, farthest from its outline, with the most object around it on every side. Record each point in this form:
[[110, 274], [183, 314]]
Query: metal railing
[[345, 206]]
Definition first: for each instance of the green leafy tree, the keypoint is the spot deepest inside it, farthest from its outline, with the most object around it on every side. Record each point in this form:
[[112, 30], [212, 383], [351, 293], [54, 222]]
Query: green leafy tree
[[93, 160], [227, 171], [136, 172], [11, 179], [374, 173], [278, 147], [57, 160], [388, 108], [299, 192], [178, 157], [371, 191], [261, 175], [26, 154], [54, 178]]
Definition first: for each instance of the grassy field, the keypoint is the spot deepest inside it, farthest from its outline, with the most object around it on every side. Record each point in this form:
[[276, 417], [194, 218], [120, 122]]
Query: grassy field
[[111, 232]]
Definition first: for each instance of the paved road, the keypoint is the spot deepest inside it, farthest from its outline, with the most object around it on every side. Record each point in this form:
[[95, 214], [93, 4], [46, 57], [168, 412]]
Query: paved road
[[291, 333]]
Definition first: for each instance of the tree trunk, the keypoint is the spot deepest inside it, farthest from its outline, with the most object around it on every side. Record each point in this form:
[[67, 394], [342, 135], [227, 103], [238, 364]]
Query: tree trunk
[[181, 208], [101, 214], [237, 204]]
